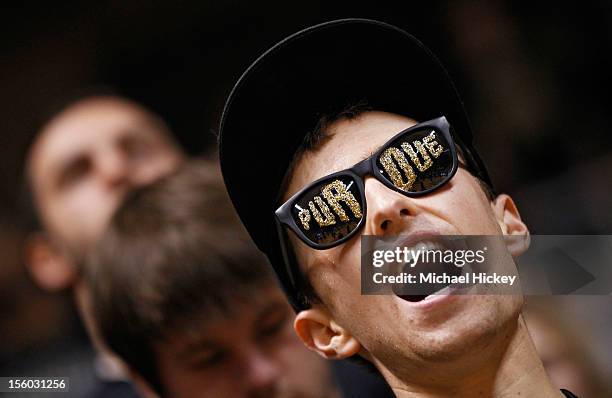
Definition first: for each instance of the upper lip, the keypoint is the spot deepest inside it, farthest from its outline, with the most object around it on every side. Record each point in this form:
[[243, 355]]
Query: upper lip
[[417, 237]]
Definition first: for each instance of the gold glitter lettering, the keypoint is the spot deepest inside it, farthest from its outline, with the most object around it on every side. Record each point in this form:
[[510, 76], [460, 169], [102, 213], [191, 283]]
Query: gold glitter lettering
[[323, 220], [336, 192], [304, 216], [422, 166], [430, 143], [386, 159]]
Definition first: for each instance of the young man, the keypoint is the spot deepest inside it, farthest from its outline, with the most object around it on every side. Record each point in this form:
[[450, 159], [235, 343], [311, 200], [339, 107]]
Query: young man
[[288, 126], [184, 298], [79, 168]]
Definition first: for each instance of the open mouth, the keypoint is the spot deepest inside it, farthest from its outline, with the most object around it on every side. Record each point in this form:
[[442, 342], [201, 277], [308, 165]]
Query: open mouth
[[423, 265], [415, 298]]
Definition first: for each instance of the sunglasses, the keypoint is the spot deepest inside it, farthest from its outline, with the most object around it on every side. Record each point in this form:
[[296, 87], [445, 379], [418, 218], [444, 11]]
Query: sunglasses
[[332, 209]]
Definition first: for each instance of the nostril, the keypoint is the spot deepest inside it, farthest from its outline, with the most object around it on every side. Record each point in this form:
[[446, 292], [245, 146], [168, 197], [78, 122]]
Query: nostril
[[404, 212], [384, 225]]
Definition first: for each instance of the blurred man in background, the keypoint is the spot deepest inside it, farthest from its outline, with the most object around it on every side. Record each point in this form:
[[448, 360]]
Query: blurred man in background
[[79, 168], [563, 348], [180, 293]]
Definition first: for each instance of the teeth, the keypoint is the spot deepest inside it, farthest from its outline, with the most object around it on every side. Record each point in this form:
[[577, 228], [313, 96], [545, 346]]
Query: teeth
[[444, 290], [419, 247], [426, 245]]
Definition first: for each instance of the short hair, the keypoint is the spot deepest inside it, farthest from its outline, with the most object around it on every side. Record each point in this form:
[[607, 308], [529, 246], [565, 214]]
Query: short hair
[[172, 252]]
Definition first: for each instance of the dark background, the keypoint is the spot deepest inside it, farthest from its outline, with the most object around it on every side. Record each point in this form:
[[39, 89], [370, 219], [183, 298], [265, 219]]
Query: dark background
[[534, 76]]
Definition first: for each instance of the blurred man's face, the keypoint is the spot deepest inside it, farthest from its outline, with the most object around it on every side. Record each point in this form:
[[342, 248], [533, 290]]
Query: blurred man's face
[[416, 338], [86, 160], [252, 352]]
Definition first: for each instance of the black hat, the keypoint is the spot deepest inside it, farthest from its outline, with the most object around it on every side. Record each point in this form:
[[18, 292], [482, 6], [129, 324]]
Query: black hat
[[318, 71]]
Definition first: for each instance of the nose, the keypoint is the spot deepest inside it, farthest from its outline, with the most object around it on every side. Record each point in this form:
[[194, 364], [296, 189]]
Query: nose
[[388, 211], [113, 168], [262, 374]]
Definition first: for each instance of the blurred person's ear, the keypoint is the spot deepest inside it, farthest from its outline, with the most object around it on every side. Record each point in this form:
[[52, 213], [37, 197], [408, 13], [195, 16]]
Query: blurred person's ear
[[49, 267], [514, 229], [144, 390], [321, 334]]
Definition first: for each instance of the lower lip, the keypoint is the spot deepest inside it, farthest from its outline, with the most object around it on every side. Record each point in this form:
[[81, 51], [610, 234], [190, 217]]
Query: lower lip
[[443, 296]]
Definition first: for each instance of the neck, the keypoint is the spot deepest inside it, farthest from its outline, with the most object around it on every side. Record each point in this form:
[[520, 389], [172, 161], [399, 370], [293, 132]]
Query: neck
[[515, 371]]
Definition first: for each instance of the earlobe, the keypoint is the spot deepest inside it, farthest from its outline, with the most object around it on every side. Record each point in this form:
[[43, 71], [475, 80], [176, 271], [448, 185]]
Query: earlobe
[[516, 233], [323, 335], [50, 269]]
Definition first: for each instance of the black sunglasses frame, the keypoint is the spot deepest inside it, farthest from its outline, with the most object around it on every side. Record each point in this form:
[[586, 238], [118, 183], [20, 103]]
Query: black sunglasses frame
[[358, 172]]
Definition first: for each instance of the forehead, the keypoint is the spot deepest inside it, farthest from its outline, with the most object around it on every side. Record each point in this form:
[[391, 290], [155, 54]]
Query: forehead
[[242, 315], [87, 126], [351, 140]]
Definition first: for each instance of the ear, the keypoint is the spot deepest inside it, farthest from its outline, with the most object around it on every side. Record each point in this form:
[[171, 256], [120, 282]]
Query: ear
[[516, 233], [142, 386], [321, 334], [49, 267]]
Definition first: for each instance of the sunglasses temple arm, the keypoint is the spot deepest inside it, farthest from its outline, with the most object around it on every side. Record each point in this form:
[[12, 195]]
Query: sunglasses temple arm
[[473, 166], [286, 257]]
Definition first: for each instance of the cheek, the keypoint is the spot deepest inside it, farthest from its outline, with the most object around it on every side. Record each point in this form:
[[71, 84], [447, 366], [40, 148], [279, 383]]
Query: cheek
[[297, 361], [337, 280], [159, 164], [290, 352], [199, 383], [335, 273], [95, 205], [82, 213], [465, 206], [182, 379]]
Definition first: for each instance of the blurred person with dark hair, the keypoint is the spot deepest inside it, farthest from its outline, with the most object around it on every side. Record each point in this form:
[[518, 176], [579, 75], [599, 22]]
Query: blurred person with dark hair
[[563, 349], [79, 167], [184, 298]]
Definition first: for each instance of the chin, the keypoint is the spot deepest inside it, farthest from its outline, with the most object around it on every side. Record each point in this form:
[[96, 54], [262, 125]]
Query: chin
[[484, 322]]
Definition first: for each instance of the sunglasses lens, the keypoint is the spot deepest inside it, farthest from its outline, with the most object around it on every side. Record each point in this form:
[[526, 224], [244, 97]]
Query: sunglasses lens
[[330, 210], [416, 161]]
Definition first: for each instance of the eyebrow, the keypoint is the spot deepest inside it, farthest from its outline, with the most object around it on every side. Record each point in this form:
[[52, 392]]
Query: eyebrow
[[132, 133], [129, 135]]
